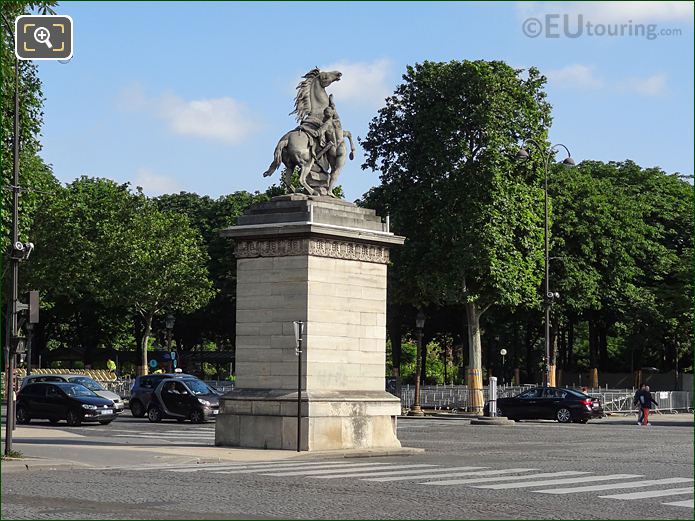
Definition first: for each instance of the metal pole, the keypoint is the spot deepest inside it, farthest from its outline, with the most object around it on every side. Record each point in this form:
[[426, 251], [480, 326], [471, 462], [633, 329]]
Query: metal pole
[[299, 388], [547, 285], [9, 388], [416, 410]]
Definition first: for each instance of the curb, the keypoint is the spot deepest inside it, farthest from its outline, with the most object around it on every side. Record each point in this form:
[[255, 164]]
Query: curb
[[25, 464], [492, 420]]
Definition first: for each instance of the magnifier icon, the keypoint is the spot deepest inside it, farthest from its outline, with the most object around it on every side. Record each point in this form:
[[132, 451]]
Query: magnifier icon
[[42, 35]]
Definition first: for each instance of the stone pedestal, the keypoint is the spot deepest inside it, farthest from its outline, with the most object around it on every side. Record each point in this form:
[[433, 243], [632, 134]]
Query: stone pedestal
[[322, 261]]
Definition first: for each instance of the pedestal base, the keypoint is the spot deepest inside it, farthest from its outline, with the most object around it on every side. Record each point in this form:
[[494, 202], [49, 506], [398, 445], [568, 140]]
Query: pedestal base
[[331, 420]]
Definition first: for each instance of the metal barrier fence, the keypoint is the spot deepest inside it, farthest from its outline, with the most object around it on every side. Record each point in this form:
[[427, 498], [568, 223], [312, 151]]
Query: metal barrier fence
[[458, 398]]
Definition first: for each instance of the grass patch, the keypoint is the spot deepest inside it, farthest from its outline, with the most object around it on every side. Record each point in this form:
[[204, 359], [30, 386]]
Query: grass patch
[[13, 454]]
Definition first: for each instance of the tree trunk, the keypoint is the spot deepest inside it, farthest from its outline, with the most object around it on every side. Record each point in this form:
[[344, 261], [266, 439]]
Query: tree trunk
[[552, 363], [474, 377], [570, 344], [146, 330], [593, 355], [396, 342], [603, 347], [530, 358]]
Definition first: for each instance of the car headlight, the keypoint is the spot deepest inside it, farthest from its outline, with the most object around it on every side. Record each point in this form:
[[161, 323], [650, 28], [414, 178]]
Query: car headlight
[[88, 406], [204, 402]]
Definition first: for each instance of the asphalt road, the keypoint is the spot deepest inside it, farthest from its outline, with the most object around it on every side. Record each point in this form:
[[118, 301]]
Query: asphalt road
[[642, 470]]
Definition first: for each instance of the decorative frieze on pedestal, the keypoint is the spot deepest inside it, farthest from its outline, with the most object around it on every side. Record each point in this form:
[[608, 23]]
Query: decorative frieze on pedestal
[[334, 249]]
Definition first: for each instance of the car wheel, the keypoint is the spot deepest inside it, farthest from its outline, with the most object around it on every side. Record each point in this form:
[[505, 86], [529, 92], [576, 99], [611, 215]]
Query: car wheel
[[500, 412], [563, 415], [74, 419], [154, 414], [197, 416], [54, 421], [105, 422], [137, 409], [22, 416]]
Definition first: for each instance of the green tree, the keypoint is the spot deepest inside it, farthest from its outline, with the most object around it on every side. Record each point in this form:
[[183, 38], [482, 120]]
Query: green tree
[[70, 269], [445, 144], [159, 266]]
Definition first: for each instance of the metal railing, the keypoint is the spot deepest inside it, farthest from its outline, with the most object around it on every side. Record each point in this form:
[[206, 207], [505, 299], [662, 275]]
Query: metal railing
[[458, 398]]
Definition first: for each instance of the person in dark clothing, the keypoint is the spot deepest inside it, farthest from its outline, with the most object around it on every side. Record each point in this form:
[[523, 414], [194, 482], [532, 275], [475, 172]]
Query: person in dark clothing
[[636, 402], [646, 401]]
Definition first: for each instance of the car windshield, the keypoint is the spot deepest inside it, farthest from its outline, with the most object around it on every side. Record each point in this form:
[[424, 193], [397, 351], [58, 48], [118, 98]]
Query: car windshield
[[197, 387], [77, 390], [87, 382]]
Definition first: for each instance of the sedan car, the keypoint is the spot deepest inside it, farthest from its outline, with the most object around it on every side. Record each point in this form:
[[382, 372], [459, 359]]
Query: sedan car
[[183, 399], [551, 403], [55, 401], [89, 383]]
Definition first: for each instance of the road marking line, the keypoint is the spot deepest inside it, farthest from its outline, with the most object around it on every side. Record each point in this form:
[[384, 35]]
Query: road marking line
[[448, 482], [406, 472], [244, 468], [624, 484], [209, 466], [567, 481], [687, 503], [651, 493], [446, 473], [366, 466], [356, 473]]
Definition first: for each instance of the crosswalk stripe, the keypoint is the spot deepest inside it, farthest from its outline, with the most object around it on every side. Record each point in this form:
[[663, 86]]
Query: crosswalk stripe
[[436, 475], [687, 503], [334, 467], [407, 473], [448, 482], [625, 484], [202, 466], [501, 486], [356, 473], [652, 493], [249, 468], [365, 466], [166, 436]]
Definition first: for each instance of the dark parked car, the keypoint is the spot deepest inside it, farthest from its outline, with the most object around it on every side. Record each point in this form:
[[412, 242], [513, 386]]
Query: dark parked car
[[183, 399], [89, 383], [551, 403], [57, 401], [143, 389]]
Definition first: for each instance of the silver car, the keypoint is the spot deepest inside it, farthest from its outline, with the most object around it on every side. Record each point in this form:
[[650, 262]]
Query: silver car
[[81, 379]]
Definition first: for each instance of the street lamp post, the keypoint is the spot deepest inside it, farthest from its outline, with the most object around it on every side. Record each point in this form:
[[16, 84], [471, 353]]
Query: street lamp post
[[548, 296], [298, 335], [503, 352], [416, 410]]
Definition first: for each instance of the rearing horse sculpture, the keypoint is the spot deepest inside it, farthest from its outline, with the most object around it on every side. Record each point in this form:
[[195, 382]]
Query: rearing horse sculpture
[[319, 167]]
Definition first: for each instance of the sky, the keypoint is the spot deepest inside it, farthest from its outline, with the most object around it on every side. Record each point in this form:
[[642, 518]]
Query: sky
[[193, 96]]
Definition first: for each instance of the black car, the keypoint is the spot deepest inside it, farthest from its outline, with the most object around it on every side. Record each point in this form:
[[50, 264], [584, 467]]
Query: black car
[[550, 403], [57, 401], [143, 389], [183, 399]]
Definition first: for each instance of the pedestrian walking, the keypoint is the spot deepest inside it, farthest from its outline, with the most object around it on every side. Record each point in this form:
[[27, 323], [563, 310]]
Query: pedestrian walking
[[637, 402], [646, 401]]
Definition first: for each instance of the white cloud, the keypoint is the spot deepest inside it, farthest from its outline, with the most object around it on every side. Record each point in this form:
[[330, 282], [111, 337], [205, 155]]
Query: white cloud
[[155, 184], [223, 119], [576, 75], [220, 119], [654, 85], [581, 76], [613, 12], [363, 83]]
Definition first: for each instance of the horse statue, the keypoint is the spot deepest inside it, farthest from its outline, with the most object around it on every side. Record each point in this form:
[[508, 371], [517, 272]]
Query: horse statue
[[317, 146]]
